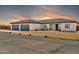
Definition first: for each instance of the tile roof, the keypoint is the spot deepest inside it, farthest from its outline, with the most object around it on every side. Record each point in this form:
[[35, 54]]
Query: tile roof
[[59, 20]]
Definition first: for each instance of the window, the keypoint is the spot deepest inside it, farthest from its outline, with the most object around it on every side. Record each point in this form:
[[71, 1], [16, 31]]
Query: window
[[44, 26], [67, 25]]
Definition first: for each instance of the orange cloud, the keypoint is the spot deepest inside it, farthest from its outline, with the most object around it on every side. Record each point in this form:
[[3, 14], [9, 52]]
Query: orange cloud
[[52, 14], [5, 22], [59, 16], [49, 14], [22, 18], [19, 17]]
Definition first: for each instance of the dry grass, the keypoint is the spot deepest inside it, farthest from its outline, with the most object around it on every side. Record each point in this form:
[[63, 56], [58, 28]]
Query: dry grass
[[53, 34]]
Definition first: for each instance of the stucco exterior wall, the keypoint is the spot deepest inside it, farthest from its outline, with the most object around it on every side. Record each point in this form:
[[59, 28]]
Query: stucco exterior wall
[[62, 26], [59, 26], [53, 26], [48, 26], [34, 26], [45, 26], [72, 27]]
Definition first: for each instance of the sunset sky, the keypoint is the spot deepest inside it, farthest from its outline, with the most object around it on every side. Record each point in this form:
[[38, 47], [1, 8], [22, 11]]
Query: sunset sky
[[10, 13]]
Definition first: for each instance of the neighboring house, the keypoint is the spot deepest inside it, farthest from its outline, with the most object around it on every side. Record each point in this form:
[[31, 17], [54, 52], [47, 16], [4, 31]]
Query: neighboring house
[[5, 27], [50, 24]]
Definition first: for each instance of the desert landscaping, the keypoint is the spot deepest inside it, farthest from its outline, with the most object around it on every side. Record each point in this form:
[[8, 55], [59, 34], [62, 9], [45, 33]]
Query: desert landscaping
[[51, 34], [39, 42]]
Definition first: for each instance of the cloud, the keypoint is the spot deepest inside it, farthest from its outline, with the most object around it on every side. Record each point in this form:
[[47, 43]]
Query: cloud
[[19, 17], [50, 13]]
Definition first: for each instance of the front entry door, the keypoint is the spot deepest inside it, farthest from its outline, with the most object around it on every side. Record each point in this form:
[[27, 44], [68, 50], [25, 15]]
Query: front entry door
[[56, 27]]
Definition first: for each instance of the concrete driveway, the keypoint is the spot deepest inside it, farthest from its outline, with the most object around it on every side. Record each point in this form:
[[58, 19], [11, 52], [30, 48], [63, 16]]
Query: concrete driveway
[[22, 44]]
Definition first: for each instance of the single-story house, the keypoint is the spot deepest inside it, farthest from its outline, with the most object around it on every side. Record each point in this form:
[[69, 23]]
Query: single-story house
[[50, 24]]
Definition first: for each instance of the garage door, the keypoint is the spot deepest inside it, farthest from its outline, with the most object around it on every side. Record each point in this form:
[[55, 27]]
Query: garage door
[[24, 27], [15, 27]]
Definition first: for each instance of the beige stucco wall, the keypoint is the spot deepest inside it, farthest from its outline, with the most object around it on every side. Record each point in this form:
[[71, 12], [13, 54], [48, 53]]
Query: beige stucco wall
[[34, 26], [46, 25], [72, 27], [52, 26]]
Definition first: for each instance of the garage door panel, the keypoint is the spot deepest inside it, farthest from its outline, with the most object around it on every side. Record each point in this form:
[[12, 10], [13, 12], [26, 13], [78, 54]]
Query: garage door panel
[[15, 27], [24, 27]]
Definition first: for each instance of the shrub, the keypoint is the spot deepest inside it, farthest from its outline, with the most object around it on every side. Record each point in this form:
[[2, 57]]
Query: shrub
[[19, 33], [45, 36], [29, 34]]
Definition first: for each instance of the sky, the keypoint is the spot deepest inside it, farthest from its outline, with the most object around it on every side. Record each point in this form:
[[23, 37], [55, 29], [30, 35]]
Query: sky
[[9, 13]]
